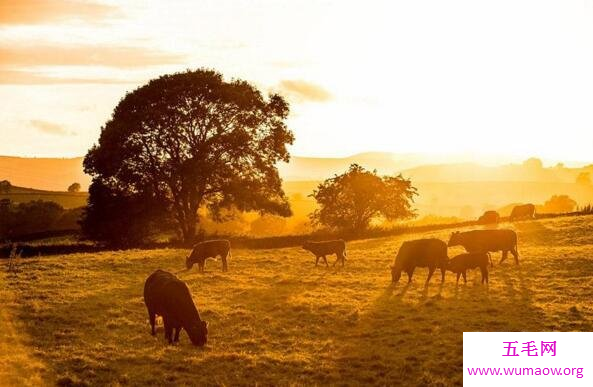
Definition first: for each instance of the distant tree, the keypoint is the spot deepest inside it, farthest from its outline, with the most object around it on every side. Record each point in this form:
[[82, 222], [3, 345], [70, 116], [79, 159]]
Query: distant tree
[[74, 187], [268, 225], [352, 200], [584, 178], [189, 140], [5, 186], [27, 218], [559, 204], [533, 163]]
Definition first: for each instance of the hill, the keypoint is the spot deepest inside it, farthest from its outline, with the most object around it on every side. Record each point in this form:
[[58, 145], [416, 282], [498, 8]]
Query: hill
[[276, 319], [65, 199], [52, 174]]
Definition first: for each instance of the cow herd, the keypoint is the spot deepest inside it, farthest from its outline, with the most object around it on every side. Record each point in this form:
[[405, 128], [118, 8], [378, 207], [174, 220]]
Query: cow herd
[[169, 297]]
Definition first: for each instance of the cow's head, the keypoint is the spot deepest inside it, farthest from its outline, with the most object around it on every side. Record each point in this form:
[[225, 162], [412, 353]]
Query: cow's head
[[395, 274], [198, 333], [188, 262], [455, 239]]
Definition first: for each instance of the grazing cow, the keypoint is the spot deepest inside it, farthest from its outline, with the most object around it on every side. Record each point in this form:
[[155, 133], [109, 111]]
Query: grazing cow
[[321, 249], [431, 253], [167, 296], [483, 241], [209, 249], [462, 262], [525, 211], [489, 217]]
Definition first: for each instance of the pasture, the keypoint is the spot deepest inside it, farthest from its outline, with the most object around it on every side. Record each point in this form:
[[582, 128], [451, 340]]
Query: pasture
[[275, 318]]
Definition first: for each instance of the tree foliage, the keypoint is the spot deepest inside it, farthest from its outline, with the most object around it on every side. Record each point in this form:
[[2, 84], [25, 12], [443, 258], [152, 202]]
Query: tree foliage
[[191, 140], [74, 187], [5, 186], [351, 201]]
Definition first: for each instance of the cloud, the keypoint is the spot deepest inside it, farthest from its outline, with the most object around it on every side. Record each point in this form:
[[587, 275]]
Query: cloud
[[48, 11], [9, 77], [49, 55], [50, 128], [304, 91]]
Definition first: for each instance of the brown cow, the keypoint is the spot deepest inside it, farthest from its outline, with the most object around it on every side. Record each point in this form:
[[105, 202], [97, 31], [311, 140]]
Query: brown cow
[[209, 249], [462, 262], [525, 211], [167, 296], [431, 253], [483, 241], [321, 249], [489, 217]]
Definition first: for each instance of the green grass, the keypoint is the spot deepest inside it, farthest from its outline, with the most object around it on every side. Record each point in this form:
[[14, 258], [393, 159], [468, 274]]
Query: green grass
[[277, 319]]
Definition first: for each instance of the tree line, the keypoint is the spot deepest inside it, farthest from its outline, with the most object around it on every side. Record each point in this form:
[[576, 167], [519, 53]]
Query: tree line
[[190, 141]]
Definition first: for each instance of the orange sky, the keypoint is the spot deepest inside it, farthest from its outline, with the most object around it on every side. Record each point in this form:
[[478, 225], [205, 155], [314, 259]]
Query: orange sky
[[474, 79]]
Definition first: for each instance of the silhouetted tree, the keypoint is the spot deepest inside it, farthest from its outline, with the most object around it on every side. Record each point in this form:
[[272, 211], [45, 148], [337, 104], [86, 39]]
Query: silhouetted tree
[[5, 186], [559, 204], [122, 219], [27, 218], [352, 200], [189, 140], [74, 187]]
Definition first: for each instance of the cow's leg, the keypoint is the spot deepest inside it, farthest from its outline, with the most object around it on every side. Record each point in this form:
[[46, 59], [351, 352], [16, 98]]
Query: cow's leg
[[410, 274], [430, 273], [152, 319], [484, 271], [516, 255], [458, 275], [505, 253], [325, 259], [464, 273], [168, 330], [201, 265], [176, 338], [316, 261], [443, 271], [225, 267]]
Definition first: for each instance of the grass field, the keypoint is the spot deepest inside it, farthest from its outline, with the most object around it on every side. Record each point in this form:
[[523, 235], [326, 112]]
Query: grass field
[[277, 319]]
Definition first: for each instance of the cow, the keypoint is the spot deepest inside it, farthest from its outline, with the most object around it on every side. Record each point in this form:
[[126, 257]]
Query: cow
[[209, 249], [430, 253], [483, 241], [525, 211], [489, 217], [321, 249], [167, 296], [462, 262]]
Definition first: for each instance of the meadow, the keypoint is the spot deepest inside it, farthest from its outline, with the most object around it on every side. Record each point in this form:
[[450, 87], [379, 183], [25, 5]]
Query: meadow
[[276, 319]]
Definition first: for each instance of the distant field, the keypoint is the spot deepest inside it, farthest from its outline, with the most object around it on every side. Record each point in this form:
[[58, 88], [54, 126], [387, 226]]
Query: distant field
[[65, 199], [277, 319]]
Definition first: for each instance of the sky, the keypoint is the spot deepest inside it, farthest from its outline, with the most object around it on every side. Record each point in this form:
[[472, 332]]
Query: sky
[[476, 79]]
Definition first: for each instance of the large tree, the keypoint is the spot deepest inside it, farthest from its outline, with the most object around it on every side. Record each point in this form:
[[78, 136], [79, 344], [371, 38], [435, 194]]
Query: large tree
[[191, 140], [351, 201]]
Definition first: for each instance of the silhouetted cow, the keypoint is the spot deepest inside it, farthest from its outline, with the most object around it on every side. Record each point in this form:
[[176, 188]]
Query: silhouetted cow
[[430, 253], [209, 249], [463, 262], [321, 249], [483, 241], [489, 217], [167, 296], [525, 211]]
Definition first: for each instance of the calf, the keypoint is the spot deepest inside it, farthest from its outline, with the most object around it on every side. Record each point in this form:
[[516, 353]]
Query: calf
[[209, 249], [321, 249], [430, 253], [463, 262], [167, 296]]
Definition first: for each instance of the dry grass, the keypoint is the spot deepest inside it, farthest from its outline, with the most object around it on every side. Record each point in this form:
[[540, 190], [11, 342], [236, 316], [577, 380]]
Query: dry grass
[[277, 319]]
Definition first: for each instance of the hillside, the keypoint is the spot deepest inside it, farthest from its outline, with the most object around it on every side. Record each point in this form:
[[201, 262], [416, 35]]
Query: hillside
[[51, 174], [276, 319], [65, 199]]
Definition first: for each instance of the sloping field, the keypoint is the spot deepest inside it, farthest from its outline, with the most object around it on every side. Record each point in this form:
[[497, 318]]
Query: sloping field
[[277, 319]]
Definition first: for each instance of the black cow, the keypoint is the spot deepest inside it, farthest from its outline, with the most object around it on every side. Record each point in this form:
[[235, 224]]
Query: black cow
[[431, 253], [167, 296]]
